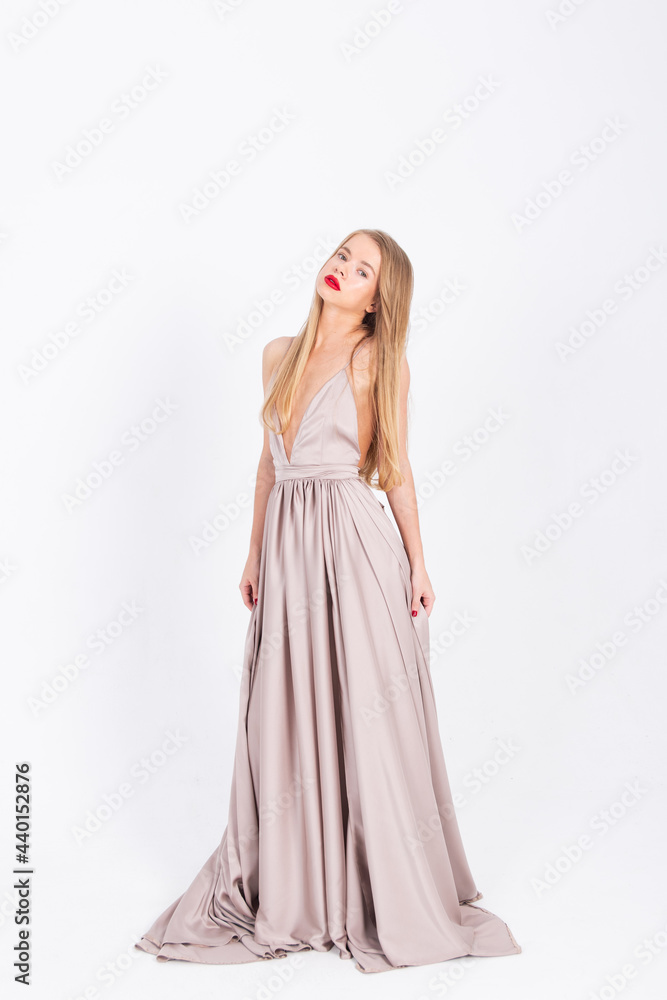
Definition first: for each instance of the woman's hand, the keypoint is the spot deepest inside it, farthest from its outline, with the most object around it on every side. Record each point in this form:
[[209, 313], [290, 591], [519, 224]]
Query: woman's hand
[[422, 591], [249, 584]]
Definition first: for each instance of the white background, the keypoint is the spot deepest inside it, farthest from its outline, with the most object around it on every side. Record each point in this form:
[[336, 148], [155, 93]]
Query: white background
[[175, 333]]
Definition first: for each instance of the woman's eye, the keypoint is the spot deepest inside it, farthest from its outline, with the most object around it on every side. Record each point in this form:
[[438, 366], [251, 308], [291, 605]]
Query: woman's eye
[[341, 254]]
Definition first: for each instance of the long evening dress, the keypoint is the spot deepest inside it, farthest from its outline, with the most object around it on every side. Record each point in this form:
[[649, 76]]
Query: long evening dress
[[341, 827]]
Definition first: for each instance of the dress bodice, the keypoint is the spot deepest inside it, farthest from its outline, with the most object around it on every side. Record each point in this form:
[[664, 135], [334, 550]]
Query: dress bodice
[[328, 432]]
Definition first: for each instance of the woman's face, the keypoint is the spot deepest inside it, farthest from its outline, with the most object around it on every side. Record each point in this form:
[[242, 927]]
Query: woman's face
[[349, 279]]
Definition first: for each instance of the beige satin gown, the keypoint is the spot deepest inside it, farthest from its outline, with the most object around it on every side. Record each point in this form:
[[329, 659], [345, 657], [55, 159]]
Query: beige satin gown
[[341, 828]]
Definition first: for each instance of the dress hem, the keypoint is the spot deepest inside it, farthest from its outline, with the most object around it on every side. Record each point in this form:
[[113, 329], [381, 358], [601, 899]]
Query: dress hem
[[152, 947]]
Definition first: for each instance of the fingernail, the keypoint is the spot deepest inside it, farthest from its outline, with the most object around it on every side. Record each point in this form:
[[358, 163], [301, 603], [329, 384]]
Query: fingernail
[[414, 614], [255, 600]]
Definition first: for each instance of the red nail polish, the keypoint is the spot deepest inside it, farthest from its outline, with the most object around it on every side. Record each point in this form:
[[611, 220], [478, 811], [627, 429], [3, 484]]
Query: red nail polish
[[255, 600], [414, 614]]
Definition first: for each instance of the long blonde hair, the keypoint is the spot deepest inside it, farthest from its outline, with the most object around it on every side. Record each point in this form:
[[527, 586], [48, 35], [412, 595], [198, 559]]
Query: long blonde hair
[[388, 327]]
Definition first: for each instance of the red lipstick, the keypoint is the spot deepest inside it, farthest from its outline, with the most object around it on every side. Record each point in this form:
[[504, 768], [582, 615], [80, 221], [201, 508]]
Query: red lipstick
[[332, 282]]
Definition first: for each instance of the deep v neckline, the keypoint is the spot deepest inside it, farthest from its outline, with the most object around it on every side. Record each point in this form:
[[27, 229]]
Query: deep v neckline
[[305, 412]]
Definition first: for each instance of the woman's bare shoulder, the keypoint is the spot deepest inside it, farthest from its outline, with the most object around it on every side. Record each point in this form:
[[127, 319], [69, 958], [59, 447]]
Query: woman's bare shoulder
[[276, 348], [273, 353]]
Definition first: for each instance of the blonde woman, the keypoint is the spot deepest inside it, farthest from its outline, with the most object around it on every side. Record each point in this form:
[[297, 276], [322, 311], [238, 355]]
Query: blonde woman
[[341, 827]]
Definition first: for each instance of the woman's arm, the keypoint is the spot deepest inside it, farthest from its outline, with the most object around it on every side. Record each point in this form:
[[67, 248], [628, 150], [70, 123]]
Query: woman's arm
[[266, 477], [403, 503]]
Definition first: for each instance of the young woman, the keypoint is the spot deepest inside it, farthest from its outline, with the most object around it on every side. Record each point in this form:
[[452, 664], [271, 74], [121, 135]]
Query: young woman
[[341, 825]]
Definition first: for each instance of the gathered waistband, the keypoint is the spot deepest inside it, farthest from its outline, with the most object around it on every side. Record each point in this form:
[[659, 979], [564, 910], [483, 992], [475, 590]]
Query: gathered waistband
[[332, 471]]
